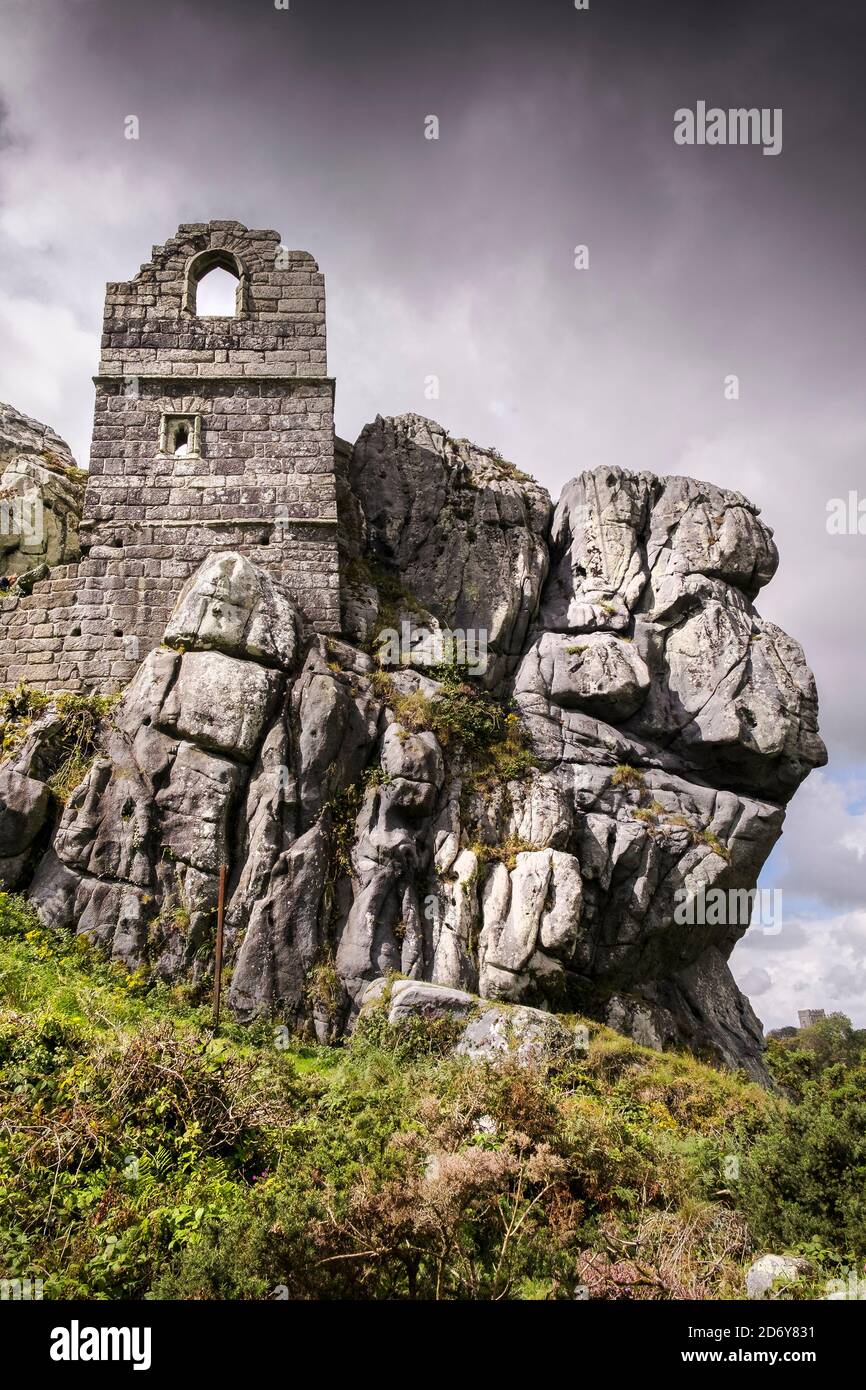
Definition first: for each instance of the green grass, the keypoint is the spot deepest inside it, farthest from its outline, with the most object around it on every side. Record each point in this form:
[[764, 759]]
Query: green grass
[[506, 853], [143, 1154], [624, 775]]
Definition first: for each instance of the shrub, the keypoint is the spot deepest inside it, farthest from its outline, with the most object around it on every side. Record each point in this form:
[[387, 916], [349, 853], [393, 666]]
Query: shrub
[[805, 1176], [142, 1154], [826, 1042]]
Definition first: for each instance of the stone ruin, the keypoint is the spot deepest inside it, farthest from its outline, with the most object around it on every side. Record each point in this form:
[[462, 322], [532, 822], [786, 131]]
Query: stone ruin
[[209, 434], [238, 565]]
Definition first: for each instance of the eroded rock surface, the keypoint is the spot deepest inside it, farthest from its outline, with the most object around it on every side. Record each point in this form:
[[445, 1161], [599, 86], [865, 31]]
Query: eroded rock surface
[[669, 725], [41, 496], [465, 530]]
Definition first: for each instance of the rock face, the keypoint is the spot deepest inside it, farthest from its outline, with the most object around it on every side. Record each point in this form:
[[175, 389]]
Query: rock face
[[41, 496], [671, 566], [465, 530], [669, 725]]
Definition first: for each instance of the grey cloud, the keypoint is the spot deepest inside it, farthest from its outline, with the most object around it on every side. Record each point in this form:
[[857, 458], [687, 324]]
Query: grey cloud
[[828, 971], [756, 982]]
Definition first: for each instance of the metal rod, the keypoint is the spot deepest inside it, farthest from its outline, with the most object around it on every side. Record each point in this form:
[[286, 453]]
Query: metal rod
[[218, 963]]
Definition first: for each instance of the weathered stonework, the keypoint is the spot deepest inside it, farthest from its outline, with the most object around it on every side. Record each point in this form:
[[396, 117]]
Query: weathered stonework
[[255, 474]]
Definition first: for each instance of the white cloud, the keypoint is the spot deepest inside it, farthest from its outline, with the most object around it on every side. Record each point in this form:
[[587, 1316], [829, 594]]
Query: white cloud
[[820, 855], [46, 354], [822, 964]]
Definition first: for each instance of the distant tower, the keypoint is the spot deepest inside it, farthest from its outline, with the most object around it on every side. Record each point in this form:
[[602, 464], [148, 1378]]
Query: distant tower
[[213, 433], [808, 1017]]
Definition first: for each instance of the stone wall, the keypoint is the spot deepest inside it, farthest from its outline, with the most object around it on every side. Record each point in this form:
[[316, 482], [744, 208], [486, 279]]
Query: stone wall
[[150, 324], [254, 471]]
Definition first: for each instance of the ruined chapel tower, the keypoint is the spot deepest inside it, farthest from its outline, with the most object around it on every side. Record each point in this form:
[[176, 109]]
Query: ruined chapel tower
[[210, 433], [216, 433]]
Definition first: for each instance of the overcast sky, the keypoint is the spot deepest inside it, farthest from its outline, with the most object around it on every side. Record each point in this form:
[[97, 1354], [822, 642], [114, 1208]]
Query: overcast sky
[[455, 257]]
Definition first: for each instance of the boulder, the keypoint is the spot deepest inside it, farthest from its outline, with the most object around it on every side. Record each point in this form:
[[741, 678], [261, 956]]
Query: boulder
[[601, 673], [488, 1032], [220, 703], [597, 566], [528, 1036], [24, 802], [41, 496], [414, 999], [770, 1271], [231, 606], [703, 685]]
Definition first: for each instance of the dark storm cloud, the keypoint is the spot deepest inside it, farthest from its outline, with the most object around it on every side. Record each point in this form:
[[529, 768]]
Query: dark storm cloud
[[456, 257]]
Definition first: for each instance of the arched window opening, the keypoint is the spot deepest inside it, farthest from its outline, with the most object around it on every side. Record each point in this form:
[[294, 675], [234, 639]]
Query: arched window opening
[[181, 442], [216, 294], [215, 285]]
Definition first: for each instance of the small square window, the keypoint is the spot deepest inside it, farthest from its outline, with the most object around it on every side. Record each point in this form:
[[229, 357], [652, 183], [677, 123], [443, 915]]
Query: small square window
[[180, 436]]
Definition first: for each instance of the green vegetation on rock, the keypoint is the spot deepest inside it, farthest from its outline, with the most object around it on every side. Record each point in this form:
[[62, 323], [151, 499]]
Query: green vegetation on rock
[[484, 737], [72, 744]]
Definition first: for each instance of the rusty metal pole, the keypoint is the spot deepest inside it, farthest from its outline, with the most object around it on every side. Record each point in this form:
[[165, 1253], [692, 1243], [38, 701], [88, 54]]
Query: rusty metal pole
[[218, 963]]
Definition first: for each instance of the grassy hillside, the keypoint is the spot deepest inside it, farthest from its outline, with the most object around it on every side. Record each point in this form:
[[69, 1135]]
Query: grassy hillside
[[143, 1156]]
